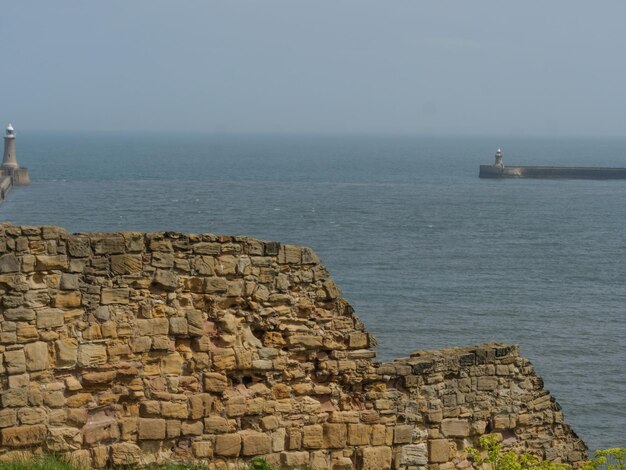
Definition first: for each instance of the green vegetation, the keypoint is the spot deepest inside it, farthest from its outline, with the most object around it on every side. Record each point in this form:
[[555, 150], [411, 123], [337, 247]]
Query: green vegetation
[[496, 459], [609, 459]]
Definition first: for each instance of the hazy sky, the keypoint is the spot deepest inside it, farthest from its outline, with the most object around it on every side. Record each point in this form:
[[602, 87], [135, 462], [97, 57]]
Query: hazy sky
[[340, 66]]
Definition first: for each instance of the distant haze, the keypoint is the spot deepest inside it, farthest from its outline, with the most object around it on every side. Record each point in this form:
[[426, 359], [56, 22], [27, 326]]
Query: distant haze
[[341, 66]]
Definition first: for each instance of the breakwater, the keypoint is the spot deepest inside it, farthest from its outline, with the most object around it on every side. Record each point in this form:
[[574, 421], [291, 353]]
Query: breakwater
[[132, 348], [600, 173]]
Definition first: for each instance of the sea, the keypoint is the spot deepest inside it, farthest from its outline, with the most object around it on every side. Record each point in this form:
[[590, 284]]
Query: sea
[[429, 255]]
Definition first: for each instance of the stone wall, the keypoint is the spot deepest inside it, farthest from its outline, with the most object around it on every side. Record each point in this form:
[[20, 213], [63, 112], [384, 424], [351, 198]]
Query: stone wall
[[131, 348]]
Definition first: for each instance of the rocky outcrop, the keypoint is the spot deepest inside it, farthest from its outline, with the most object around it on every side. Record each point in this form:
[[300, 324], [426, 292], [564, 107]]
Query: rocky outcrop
[[131, 348]]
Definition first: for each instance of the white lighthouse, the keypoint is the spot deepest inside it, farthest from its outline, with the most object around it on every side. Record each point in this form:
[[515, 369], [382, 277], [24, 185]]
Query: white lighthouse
[[10, 168]]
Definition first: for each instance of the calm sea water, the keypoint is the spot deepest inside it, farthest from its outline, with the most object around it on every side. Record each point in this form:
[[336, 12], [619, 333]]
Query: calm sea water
[[429, 255]]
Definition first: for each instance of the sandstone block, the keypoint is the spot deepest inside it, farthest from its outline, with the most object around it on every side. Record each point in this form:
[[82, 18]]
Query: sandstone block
[[36, 356], [19, 314], [172, 364], [403, 434], [200, 405], [8, 417], [9, 263], [15, 361], [335, 436], [91, 355], [151, 428], [451, 427], [78, 246], [171, 409], [125, 453], [202, 449], [216, 425], [228, 445], [108, 244], [207, 248], [50, 262], [100, 428], [313, 436], [115, 295], [15, 397], [178, 326], [167, 280], [306, 341], [50, 318], [294, 459], [66, 352], [27, 333], [191, 428], [214, 382], [68, 299], [487, 384], [414, 455], [438, 450], [99, 378], [23, 436], [31, 415], [153, 326], [69, 281], [126, 264], [358, 434], [376, 458], [255, 443], [215, 285]]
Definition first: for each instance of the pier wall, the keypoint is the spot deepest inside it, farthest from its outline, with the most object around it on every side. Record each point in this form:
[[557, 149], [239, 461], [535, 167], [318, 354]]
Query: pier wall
[[132, 348]]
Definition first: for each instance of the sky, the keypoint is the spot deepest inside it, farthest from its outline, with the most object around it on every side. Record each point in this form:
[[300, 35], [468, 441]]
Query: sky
[[321, 67]]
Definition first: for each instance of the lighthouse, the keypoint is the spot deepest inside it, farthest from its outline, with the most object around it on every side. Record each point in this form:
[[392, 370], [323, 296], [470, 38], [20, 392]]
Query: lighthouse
[[9, 162], [10, 168]]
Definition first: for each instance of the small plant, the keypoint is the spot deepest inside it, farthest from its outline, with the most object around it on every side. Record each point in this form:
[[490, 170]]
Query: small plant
[[609, 459], [496, 459], [260, 464]]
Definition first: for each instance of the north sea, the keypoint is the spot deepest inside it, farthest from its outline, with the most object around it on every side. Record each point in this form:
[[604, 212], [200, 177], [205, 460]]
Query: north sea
[[428, 254]]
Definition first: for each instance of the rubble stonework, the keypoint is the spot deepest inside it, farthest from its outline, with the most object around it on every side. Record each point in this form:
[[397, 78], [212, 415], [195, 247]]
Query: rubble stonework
[[132, 348]]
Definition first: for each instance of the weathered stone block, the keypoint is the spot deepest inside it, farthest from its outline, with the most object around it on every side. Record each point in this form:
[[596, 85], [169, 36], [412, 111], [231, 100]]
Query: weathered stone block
[[228, 445], [167, 280], [403, 434], [125, 453], [215, 285], [487, 384], [115, 295], [9, 263], [452, 427], [313, 436], [255, 443], [50, 262], [149, 428], [126, 264], [200, 405], [66, 352], [91, 355], [335, 436], [359, 434], [172, 364], [414, 455], [216, 425], [178, 326], [202, 449], [15, 361], [68, 299], [294, 459], [50, 318], [31, 415], [15, 397], [8, 417], [376, 458], [171, 409], [438, 450], [36, 356], [191, 428], [23, 436], [214, 382], [19, 314]]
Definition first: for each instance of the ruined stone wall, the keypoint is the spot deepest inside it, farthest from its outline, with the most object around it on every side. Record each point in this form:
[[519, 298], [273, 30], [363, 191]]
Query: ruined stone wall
[[134, 348]]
